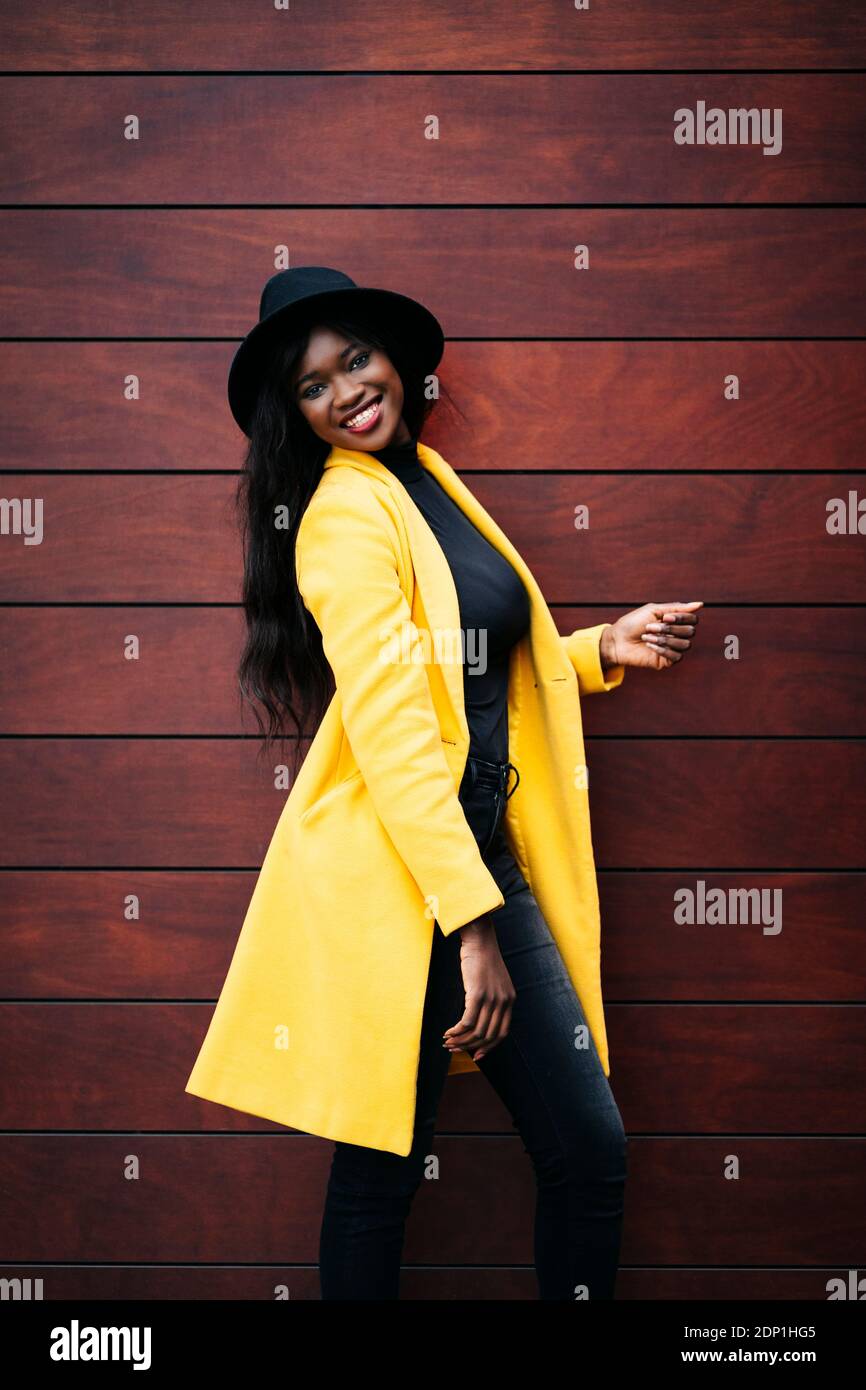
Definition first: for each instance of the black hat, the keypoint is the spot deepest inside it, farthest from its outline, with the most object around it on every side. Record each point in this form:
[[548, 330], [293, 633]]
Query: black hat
[[292, 299]]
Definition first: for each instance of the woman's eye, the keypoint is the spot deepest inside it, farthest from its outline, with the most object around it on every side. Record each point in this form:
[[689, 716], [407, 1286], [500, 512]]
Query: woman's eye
[[365, 355]]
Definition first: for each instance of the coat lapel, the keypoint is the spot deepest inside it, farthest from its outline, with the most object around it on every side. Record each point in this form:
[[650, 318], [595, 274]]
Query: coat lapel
[[547, 649], [433, 573]]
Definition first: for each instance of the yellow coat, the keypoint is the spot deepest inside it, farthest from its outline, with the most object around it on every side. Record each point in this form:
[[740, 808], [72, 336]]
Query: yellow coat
[[319, 1019]]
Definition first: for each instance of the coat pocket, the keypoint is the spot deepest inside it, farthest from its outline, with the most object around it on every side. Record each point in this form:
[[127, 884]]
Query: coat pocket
[[325, 800]]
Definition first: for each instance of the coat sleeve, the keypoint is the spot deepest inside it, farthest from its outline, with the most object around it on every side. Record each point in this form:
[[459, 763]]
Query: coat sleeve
[[583, 648], [346, 566]]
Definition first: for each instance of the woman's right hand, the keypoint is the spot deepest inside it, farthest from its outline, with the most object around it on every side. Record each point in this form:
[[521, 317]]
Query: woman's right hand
[[490, 993]]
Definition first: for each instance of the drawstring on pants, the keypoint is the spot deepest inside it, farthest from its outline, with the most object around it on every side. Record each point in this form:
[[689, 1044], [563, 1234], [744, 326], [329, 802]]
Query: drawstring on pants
[[494, 776]]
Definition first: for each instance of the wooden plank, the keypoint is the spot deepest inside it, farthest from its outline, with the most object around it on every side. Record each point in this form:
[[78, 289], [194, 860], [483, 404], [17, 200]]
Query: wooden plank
[[65, 674], [197, 803], [486, 272], [699, 1067], [470, 34], [268, 1283], [258, 1198], [587, 538], [600, 406], [65, 936], [533, 138]]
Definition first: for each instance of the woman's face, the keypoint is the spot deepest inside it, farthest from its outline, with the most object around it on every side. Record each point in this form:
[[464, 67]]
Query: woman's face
[[349, 392]]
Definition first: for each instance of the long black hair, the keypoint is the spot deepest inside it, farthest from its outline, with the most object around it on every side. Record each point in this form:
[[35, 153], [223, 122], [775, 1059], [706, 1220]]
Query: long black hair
[[283, 668]]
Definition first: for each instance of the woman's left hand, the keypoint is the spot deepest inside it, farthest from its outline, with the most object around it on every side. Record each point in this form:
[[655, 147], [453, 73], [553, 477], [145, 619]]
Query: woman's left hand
[[656, 635]]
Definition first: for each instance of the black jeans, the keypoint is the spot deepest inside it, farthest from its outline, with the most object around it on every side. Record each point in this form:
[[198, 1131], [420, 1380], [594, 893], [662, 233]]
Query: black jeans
[[546, 1071]]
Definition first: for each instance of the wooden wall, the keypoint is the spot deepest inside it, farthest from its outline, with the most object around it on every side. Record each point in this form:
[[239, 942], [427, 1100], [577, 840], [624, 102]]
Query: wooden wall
[[304, 127]]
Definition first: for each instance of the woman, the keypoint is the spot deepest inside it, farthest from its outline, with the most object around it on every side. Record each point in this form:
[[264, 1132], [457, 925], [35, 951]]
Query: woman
[[416, 914]]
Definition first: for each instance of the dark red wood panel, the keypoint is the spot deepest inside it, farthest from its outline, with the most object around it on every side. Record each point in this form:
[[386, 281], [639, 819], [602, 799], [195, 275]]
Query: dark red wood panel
[[599, 406], [66, 935], [459, 34], [726, 804], [63, 673], [671, 1069], [198, 803], [801, 937], [721, 539], [725, 272], [454, 1283], [554, 138], [69, 935], [163, 803], [65, 1197]]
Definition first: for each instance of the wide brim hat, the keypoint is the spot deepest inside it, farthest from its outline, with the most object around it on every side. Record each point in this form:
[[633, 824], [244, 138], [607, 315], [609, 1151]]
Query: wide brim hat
[[293, 299]]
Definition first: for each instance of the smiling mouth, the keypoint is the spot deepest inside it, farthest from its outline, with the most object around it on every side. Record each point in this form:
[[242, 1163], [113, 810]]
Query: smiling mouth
[[364, 419]]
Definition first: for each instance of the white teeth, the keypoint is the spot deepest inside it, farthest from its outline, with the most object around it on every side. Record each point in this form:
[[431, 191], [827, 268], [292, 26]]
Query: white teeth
[[364, 416]]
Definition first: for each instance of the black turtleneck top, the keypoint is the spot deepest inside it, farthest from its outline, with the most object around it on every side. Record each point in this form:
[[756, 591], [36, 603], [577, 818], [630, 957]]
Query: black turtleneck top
[[493, 603]]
